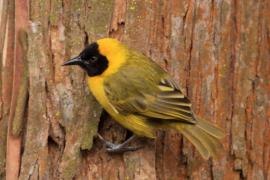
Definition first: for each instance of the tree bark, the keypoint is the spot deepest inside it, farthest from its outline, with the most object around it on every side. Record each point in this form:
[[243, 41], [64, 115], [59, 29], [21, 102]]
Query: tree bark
[[218, 52]]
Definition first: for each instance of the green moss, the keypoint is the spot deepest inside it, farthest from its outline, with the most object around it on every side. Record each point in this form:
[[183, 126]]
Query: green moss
[[97, 18], [55, 12], [225, 9], [130, 166], [17, 122], [3, 141], [132, 5], [87, 139], [70, 166], [90, 126]]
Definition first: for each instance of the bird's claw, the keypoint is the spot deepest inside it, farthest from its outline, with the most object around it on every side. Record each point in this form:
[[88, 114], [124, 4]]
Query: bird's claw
[[121, 149], [118, 148]]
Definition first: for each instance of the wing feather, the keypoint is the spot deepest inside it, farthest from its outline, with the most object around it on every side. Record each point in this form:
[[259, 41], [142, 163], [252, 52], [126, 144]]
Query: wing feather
[[167, 102]]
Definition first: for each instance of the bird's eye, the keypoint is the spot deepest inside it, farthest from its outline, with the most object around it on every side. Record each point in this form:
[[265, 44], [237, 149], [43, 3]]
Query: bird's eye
[[93, 59]]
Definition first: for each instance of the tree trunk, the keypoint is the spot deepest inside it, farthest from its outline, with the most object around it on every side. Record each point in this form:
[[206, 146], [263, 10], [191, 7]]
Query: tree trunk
[[218, 52]]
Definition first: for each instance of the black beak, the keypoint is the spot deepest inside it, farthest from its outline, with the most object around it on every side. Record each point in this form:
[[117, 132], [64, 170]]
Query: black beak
[[74, 61]]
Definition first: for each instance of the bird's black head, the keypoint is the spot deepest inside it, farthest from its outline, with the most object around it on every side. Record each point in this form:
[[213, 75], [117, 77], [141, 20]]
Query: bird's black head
[[90, 60]]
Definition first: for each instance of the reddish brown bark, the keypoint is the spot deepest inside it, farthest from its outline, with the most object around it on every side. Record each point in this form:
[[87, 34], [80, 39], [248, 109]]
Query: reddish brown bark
[[19, 91], [218, 51]]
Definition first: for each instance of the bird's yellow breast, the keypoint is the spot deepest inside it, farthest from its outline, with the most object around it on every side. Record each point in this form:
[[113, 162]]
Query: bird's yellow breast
[[132, 122], [96, 86]]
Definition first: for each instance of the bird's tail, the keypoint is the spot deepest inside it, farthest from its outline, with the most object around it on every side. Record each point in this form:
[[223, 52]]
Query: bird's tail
[[204, 136]]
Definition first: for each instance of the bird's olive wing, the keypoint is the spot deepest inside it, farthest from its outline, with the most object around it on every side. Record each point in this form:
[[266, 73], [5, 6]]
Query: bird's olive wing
[[167, 102]]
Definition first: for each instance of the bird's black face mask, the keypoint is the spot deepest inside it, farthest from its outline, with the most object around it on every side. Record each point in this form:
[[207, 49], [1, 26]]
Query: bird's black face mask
[[90, 60]]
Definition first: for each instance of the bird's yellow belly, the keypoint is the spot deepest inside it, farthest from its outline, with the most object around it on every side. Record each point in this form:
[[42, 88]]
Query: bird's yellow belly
[[134, 123]]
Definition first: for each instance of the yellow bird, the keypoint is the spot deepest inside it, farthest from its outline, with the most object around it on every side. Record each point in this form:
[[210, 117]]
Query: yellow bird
[[142, 97]]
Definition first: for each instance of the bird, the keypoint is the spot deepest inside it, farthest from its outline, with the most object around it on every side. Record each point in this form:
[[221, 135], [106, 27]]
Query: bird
[[142, 97]]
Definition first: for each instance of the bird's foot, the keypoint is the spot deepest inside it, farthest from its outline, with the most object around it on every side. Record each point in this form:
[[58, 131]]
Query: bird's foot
[[119, 148]]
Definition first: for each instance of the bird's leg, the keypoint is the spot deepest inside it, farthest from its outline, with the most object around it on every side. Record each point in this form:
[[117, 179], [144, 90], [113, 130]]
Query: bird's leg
[[119, 148]]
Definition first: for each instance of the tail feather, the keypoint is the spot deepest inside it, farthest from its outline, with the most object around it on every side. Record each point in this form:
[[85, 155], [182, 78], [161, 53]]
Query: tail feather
[[211, 143], [204, 136], [210, 128], [196, 142]]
